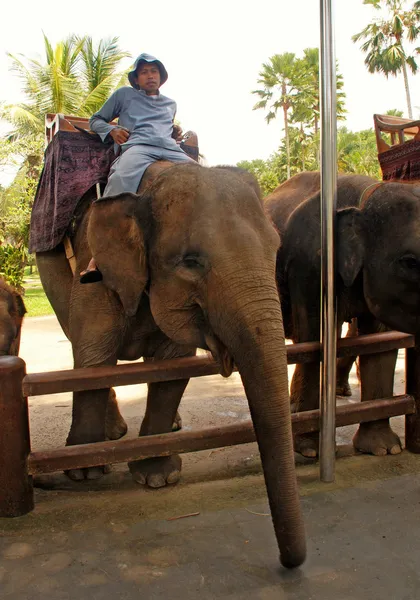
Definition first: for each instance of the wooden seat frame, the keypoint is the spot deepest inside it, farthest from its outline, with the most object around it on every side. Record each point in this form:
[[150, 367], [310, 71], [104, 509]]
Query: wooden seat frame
[[397, 128]]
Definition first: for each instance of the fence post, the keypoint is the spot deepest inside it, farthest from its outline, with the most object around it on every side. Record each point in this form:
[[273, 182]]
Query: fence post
[[412, 385], [16, 489]]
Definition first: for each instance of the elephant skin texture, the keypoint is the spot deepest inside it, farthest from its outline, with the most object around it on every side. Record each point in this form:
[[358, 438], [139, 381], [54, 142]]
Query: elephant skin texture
[[12, 311], [377, 283]]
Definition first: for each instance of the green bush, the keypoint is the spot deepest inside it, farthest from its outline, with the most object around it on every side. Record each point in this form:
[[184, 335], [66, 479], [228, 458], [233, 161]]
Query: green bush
[[12, 264]]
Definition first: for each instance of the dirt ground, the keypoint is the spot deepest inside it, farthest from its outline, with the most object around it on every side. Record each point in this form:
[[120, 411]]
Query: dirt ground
[[208, 401]]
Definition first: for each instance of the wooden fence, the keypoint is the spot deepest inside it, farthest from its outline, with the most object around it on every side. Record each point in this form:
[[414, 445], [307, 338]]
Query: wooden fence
[[18, 464]]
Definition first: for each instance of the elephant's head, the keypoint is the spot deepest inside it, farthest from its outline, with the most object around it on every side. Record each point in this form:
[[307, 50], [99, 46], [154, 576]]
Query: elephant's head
[[198, 241], [12, 311], [382, 241]]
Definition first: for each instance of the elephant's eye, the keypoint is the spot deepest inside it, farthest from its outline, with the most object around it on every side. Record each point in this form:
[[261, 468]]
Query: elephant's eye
[[409, 262], [191, 261]]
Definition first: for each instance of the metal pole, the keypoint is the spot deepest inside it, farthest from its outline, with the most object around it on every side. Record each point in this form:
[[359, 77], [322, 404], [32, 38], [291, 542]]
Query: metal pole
[[328, 211]]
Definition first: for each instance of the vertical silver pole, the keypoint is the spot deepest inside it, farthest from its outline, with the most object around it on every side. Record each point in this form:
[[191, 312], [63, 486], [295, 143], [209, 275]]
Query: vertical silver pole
[[328, 211]]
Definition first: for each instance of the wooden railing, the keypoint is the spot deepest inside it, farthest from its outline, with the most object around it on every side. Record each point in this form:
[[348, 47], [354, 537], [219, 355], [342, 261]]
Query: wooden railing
[[18, 463]]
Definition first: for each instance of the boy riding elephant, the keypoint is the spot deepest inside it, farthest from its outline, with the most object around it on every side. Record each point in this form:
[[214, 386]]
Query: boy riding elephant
[[144, 133]]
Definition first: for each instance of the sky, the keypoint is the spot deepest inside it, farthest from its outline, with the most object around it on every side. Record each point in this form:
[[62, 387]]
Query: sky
[[213, 52]]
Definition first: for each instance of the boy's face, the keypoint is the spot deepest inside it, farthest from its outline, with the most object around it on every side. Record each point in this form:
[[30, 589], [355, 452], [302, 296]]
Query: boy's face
[[148, 78]]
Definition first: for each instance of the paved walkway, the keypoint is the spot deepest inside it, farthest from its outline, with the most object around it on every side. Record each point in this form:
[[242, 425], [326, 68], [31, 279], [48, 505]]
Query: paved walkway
[[121, 543]]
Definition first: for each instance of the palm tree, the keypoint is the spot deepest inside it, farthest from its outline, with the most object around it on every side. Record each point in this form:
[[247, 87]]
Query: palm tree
[[278, 91], [384, 49], [75, 78], [99, 73], [306, 108]]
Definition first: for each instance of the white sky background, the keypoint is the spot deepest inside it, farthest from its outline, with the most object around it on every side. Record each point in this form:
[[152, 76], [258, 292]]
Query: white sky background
[[213, 52]]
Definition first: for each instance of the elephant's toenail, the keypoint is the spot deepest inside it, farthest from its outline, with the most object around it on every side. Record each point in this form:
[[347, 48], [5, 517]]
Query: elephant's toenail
[[94, 473], [156, 481], [174, 477]]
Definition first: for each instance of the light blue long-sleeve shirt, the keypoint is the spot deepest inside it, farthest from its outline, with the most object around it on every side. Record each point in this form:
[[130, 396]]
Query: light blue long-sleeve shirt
[[149, 119]]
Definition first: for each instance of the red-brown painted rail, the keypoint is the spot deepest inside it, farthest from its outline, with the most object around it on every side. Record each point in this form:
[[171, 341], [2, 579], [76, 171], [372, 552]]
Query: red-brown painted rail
[[96, 378], [100, 453]]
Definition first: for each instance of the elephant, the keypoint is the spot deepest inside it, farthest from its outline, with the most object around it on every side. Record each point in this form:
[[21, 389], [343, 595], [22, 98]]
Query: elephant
[[12, 311], [189, 262], [377, 282]]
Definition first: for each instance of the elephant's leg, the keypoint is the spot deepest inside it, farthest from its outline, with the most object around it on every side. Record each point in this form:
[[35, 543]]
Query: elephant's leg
[[304, 391], [162, 405], [115, 426], [88, 426], [377, 381], [177, 424], [344, 366], [161, 416], [95, 330], [57, 281], [304, 395]]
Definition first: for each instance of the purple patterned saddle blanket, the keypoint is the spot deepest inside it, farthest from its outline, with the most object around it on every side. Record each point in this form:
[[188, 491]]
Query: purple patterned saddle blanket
[[73, 164]]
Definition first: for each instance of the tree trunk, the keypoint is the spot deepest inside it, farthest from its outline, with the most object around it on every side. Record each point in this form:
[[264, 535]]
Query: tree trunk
[[407, 91], [286, 128], [317, 157], [303, 147], [287, 141]]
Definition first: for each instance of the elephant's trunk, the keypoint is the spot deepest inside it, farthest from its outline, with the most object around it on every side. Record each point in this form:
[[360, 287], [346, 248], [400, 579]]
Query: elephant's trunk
[[256, 342]]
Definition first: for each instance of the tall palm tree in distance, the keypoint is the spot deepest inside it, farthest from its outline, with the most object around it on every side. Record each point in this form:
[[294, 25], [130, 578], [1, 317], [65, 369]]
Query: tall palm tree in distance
[[306, 108], [292, 84], [277, 92], [386, 40]]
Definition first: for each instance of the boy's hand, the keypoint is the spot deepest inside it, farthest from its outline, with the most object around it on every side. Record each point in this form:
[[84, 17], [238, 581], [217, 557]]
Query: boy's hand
[[119, 135], [177, 133]]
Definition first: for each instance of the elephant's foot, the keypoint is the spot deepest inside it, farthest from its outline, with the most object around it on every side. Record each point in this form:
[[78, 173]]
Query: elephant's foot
[[79, 437], [343, 388], [307, 444], [115, 426], [377, 438], [177, 424], [156, 472], [90, 473]]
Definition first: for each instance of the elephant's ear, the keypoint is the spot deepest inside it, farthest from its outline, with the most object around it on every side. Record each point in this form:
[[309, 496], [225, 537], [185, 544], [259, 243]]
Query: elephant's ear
[[117, 242], [350, 244]]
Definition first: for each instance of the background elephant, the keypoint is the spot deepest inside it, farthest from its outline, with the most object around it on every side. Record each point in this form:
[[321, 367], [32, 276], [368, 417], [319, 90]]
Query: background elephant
[[12, 311], [378, 281], [189, 263]]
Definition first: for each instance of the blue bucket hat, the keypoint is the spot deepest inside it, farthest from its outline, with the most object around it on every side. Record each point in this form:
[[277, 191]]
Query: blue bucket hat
[[147, 58]]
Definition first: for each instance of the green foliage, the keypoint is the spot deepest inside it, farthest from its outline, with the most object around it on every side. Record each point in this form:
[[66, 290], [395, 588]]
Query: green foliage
[[36, 302], [394, 112], [356, 153], [12, 264], [269, 173], [75, 78]]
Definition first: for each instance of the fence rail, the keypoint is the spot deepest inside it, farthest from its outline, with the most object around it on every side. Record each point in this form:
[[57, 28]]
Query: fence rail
[[96, 378], [18, 464]]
